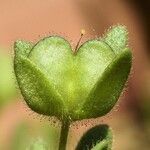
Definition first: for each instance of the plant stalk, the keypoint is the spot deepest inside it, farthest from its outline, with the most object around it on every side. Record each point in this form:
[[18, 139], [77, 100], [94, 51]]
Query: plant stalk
[[64, 135]]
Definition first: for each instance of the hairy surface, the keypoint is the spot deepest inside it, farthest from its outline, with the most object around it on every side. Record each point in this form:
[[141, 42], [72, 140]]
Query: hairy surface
[[56, 82]]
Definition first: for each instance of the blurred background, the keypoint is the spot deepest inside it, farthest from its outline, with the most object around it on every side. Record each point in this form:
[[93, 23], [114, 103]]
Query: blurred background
[[20, 128]]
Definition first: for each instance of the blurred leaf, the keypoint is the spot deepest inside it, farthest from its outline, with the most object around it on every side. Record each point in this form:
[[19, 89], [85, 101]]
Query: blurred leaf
[[38, 144], [7, 82], [43, 137], [97, 138]]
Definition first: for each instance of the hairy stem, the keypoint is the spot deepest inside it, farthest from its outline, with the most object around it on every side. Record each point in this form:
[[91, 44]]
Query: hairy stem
[[64, 135]]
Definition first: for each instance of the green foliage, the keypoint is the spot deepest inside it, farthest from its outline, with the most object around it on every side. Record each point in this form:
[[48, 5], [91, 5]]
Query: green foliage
[[35, 137], [56, 82], [7, 83], [96, 138]]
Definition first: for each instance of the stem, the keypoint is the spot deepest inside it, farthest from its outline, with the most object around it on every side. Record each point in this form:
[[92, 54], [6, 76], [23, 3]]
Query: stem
[[64, 135]]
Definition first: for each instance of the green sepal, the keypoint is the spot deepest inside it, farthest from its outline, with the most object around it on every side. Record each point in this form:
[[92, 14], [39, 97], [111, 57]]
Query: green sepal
[[96, 138], [22, 48], [36, 90], [116, 37], [109, 87]]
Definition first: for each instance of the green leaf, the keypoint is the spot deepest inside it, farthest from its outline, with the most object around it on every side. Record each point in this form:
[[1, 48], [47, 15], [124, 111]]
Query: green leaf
[[7, 82], [96, 138], [103, 145], [34, 136], [38, 144]]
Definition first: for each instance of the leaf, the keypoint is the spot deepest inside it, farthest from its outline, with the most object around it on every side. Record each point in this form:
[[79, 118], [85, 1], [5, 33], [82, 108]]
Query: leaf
[[96, 138], [34, 136], [103, 145], [38, 144], [7, 82]]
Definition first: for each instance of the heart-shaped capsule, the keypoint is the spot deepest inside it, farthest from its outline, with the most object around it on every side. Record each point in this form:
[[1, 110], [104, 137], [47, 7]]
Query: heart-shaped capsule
[[55, 81]]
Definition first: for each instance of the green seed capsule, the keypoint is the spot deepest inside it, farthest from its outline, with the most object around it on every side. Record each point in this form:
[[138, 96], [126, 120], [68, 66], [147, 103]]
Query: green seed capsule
[[56, 82]]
